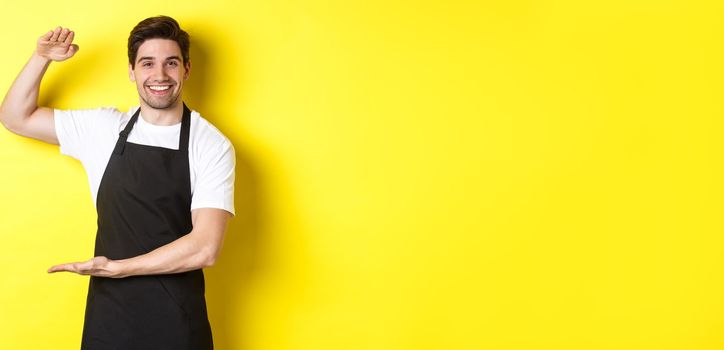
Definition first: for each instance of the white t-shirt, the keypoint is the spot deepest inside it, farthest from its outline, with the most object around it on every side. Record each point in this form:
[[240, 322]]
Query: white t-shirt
[[90, 135]]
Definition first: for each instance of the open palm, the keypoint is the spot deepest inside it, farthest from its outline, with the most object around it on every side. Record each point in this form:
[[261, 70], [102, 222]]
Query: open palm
[[57, 44]]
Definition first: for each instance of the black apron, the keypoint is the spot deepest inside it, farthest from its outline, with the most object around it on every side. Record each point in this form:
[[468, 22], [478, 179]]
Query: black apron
[[144, 202]]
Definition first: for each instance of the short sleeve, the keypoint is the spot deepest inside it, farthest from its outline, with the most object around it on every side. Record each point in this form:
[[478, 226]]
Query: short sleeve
[[76, 129], [214, 187]]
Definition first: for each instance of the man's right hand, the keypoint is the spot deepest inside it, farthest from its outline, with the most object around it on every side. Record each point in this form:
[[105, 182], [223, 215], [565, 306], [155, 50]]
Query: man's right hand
[[57, 45]]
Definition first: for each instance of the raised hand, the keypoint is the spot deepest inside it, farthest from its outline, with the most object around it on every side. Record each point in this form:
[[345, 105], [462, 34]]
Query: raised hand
[[57, 44]]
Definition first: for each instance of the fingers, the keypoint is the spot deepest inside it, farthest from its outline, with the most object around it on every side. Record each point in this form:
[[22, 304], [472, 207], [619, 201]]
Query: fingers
[[63, 34], [85, 267], [47, 35], [93, 267], [72, 49], [59, 34], [56, 34], [69, 38], [62, 267], [77, 267]]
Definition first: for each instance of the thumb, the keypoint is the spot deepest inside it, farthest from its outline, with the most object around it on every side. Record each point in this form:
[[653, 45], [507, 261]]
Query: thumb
[[72, 49]]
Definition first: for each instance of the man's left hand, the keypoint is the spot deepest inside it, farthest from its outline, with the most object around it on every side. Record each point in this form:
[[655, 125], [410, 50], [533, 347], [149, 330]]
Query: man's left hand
[[99, 266]]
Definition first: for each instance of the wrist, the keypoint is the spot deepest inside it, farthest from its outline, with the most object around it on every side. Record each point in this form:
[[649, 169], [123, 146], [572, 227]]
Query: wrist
[[40, 58], [117, 269]]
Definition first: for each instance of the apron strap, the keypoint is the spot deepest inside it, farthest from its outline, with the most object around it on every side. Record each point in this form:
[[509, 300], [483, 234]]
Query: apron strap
[[123, 135], [183, 144]]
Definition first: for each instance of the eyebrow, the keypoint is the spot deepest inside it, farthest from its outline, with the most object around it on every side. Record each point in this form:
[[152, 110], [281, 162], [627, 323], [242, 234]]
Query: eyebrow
[[149, 58]]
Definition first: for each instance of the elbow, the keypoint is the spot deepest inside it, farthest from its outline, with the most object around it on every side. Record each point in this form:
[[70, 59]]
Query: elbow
[[207, 258], [3, 119], [209, 262], [8, 123], [9, 126]]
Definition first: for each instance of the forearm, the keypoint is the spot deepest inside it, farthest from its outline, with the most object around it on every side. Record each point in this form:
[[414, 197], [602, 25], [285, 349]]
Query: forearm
[[196, 250], [21, 99], [184, 254]]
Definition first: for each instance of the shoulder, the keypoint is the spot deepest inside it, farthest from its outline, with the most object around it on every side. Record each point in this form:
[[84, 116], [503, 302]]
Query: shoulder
[[82, 131], [77, 121], [206, 137], [91, 117], [100, 112]]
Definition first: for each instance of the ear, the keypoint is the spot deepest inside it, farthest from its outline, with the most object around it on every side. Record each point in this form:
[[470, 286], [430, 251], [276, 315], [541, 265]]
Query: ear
[[187, 65], [130, 73]]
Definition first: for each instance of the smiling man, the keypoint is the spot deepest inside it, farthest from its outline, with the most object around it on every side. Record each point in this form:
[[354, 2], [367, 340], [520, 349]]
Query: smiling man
[[162, 180]]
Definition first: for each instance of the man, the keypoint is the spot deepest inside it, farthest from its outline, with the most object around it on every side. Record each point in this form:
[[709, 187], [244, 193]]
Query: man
[[162, 181]]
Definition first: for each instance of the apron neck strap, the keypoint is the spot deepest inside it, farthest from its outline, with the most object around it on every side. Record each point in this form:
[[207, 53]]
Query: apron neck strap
[[123, 135], [183, 144]]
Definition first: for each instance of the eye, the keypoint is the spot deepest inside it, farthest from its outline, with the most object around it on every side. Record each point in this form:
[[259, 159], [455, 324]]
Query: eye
[[173, 63], [146, 64]]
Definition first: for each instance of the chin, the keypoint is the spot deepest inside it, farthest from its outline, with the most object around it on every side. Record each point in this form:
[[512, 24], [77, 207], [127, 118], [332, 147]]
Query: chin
[[160, 104]]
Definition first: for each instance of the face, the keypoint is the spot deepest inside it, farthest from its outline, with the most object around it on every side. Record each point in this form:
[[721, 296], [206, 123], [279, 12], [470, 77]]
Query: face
[[159, 73]]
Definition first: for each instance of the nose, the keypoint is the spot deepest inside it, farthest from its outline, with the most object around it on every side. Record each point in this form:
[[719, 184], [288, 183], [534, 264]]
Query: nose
[[159, 73]]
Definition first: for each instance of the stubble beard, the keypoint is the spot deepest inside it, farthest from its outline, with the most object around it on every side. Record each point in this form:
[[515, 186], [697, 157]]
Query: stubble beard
[[162, 103]]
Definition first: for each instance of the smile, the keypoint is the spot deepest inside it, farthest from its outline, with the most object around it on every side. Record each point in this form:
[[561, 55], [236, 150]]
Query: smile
[[159, 89]]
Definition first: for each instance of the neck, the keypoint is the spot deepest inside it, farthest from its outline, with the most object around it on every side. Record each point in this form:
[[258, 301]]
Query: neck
[[163, 117]]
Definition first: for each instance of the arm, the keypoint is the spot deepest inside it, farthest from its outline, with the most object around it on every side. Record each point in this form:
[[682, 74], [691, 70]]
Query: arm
[[19, 111], [197, 249]]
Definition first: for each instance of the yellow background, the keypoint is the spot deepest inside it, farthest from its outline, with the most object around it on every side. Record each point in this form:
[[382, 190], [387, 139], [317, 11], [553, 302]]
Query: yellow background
[[410, 174]]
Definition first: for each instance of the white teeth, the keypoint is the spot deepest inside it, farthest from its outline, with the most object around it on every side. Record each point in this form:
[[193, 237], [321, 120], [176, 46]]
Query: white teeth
[[159, 87]]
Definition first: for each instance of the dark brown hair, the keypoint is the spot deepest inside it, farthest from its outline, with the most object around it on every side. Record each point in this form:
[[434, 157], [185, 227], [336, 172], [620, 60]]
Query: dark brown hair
[[159, 27]]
